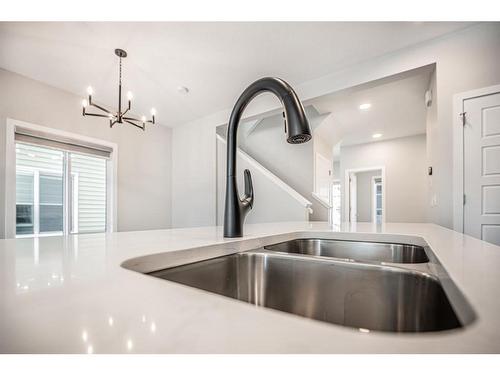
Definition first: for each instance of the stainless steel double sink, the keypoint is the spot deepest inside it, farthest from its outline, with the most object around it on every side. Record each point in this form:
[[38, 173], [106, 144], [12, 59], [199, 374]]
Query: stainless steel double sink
[[366, 285], [356, 250]]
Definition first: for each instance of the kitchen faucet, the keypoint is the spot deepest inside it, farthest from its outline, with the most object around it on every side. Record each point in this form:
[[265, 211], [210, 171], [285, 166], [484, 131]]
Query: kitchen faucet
[[296, 127]]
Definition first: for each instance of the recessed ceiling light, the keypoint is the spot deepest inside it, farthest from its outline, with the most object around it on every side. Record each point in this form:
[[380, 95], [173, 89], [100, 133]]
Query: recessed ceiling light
[[377, 135], [182, 90], [365, 106]]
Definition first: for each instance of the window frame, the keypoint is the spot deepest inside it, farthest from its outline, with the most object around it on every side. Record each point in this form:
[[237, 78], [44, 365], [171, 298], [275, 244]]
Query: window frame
[[10, 173]]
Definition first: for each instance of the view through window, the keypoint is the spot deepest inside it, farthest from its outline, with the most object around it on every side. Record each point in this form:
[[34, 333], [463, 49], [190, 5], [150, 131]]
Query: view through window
[[58, 191]]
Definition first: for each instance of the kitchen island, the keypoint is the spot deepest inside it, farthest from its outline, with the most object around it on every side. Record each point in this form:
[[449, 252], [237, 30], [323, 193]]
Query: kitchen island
[[88, 294]]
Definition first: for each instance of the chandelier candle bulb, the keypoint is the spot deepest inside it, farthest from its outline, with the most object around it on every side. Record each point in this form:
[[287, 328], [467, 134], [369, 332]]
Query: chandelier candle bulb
[[84, 105], [130, 96], [153, 114], [90, 91]]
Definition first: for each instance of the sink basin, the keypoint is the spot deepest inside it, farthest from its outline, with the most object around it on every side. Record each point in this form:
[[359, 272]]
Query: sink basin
[[356, 250], [360, 295]]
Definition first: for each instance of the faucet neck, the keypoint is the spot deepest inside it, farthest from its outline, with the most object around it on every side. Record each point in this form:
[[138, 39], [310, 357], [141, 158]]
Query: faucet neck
[[269, 84], [236, 208]]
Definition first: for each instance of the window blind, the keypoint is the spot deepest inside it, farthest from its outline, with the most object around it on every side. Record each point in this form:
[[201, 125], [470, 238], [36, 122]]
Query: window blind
[[60, 142]]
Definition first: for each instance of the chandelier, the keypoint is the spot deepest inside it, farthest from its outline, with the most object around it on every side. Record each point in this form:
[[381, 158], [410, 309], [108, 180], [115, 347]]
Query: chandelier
[[119, 116]]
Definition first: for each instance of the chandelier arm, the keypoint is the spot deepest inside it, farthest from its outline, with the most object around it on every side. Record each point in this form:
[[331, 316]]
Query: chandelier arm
[[125, 112], [131, 119], [96, 115], [138, 126], [138, 120], [101, 108]]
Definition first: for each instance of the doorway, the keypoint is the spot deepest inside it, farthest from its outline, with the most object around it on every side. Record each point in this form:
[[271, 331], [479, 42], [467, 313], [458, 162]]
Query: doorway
[[377, 209], [365, 195]]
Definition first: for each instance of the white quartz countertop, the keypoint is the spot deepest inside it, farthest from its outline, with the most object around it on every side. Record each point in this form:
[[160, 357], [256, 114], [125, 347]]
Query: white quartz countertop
[[72, 295]]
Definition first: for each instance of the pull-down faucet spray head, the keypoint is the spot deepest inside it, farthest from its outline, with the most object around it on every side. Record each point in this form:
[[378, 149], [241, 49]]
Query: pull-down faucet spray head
[[296, 124]]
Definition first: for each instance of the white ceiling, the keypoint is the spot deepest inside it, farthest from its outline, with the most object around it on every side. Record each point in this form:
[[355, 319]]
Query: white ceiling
[[397, 109], [216, 61]]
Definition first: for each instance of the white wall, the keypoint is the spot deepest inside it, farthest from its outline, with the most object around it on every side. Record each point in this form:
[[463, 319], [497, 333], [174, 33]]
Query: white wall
[[144, 158], [405, 174], [336, 170], [322, 147], [272, 203], [432, 132], [194, 186], [322, 175], [364, 194], [464, 61], [292, 163]]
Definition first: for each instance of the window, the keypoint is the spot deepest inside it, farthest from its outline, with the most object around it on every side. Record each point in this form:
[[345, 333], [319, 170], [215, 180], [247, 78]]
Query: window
[[51, 203], [88, 190], [24, 203], [59, 191]]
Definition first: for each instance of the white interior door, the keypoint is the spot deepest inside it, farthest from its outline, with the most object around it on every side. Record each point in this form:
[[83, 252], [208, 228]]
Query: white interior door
[[322, 176], [353, 198], [482, 168]]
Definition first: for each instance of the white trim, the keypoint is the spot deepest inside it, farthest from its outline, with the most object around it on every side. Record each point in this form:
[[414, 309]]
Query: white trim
[[458, 150], [315, 170], [346, 199], [10, 179], [44, 234], [10, 172], [373, 199], [36, 202], [74, 182], [66, 194]]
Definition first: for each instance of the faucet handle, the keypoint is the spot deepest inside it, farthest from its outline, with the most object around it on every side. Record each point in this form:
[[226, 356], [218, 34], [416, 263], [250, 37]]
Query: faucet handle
[[248, 197]]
